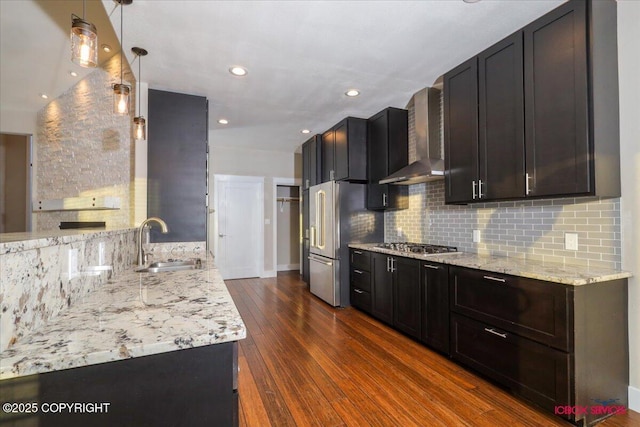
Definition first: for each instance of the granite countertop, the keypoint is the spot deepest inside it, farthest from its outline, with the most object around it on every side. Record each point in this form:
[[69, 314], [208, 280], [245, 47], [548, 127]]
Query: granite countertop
[[547, 271], [17, 242], [134, 314]]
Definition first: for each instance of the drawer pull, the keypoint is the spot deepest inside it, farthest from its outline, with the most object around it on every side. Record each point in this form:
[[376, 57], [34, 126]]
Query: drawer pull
[[495, 279], [358, 291], [357, 252], [357, 271], [431, 266], [494, 332]]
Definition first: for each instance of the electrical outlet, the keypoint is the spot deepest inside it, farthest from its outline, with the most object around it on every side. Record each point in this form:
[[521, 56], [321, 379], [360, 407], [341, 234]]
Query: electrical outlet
[[72, 265], [571, 241], [476, 236], [102, 259]]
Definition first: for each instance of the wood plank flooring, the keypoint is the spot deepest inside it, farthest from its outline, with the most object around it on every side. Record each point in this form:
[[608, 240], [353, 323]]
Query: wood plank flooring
[[305, 363]]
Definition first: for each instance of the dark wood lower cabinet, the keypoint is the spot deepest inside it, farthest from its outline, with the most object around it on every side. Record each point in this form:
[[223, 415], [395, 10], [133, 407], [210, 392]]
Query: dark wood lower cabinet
[[382, 287], [434, 288], [190, 387], [534, 371], [407, 307]]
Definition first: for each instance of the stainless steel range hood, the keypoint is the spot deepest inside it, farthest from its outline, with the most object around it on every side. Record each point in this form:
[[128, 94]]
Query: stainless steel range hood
[[429, 165]]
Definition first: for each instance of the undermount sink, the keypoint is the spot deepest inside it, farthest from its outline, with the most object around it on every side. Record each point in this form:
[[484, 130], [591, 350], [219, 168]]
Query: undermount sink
[[171, 265]]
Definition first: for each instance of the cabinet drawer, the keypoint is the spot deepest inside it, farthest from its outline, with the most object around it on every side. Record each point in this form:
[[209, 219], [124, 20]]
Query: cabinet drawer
[[361, 279], [531, 308], [531, 370], [361, 259], [361, 299]]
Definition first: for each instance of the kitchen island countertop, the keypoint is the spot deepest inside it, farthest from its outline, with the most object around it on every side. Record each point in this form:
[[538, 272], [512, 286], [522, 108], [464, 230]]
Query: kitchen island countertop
[[533, 269], [133, 315]]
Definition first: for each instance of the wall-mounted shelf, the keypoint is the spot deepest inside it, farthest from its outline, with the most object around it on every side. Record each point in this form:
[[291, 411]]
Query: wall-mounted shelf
[[77, 204]]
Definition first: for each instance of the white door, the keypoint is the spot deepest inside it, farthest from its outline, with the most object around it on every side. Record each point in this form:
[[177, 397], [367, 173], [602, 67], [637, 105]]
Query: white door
[[239, 240]]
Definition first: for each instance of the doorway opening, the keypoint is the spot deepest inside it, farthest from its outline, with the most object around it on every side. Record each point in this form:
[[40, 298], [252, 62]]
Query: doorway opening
[[287, 232], [15, 183]]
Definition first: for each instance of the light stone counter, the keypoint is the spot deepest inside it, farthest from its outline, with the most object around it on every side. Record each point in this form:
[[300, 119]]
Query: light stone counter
[[550, 272], [18, 242], [133, 315]]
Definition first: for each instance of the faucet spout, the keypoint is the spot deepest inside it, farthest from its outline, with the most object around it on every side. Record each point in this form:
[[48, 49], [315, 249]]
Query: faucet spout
[[163, 227]]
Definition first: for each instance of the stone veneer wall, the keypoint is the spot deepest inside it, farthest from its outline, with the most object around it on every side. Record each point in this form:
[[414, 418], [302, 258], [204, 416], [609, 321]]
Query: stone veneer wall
[[524, 229], [35, 286], [85, 149]]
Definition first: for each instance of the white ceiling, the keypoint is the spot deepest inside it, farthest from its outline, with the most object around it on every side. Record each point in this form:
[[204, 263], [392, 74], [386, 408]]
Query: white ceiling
[[301, 55]]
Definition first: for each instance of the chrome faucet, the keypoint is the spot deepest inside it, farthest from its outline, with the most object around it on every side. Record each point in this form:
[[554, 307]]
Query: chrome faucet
[[165, 229]]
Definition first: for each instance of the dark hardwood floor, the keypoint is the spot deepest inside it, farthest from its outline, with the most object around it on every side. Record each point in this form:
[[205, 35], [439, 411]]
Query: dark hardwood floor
[[306, 363]]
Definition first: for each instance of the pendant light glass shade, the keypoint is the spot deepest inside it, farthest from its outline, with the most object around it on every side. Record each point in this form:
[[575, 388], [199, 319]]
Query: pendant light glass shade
[[84, 43], [139, 128], [121, 98], [120, 90], [139, 123]]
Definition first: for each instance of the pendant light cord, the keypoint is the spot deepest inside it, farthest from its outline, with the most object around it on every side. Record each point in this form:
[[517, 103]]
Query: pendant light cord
[[83, 6], [121, 38], [139, 81]]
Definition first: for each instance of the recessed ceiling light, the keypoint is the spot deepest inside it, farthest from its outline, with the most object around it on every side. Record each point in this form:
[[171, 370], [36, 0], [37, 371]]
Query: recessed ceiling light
[[223, 121], [73, 73], [305, 131], [44, 96], [352, 92], [106, 48], [238, 71], [471, 1]]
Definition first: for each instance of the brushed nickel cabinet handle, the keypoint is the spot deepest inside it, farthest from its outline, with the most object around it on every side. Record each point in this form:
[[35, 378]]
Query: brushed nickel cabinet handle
[[473, 188], [431, 266], [357, 271], [494, 332], [495, 279], [357, 252], [358, 291], [528, 187], [480, 195]]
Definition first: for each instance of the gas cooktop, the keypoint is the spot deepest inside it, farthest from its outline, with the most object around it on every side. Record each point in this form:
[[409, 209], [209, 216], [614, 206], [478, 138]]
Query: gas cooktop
[[418, 248]]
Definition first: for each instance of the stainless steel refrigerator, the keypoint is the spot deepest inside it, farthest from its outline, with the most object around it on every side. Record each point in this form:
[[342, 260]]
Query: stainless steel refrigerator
[[337, 217]]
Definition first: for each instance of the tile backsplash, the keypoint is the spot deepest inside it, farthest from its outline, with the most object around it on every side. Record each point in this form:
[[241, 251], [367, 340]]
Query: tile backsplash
[[524, 229]]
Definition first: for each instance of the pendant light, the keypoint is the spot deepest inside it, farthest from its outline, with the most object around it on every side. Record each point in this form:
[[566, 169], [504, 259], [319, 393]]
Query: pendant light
[[120, 90], [84, 41], [139, 123]]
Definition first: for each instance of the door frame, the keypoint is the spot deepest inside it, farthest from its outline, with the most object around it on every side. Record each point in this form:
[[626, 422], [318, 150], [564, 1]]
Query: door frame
[[274, 192], [213, 230], [30, 184]]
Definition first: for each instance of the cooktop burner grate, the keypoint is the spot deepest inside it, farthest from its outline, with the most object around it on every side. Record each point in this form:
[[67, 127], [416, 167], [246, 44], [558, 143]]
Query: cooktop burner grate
[[420, 248]]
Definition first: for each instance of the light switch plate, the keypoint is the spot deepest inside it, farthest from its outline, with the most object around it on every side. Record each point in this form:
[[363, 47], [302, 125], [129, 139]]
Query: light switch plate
[[476, 236], [571, 241]]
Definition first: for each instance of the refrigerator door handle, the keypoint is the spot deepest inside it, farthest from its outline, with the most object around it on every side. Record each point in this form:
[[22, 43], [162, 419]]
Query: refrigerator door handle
[[320, 261], [320, 218], [312, 230]]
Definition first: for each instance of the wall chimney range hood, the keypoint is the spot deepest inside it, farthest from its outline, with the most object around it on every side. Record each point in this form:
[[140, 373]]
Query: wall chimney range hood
[[429, 165]]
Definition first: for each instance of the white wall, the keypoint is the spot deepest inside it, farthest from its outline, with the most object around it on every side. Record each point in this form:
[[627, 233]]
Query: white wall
[[247, 162], [629, 64]]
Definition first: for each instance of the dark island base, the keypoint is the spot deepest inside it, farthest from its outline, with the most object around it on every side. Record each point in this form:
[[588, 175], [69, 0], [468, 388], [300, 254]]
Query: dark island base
[[191, 387]]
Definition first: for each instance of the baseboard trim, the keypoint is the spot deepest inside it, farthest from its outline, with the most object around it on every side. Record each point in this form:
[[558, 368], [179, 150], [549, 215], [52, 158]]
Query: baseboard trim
[[634, 398], [268, 273], [288, 267]]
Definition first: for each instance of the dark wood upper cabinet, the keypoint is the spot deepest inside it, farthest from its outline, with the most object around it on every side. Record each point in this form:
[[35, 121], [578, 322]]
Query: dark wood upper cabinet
[[556, 88], [461, 132], [388, 141], [501, 121], [311, 156], [344, 151], [562, 137]]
